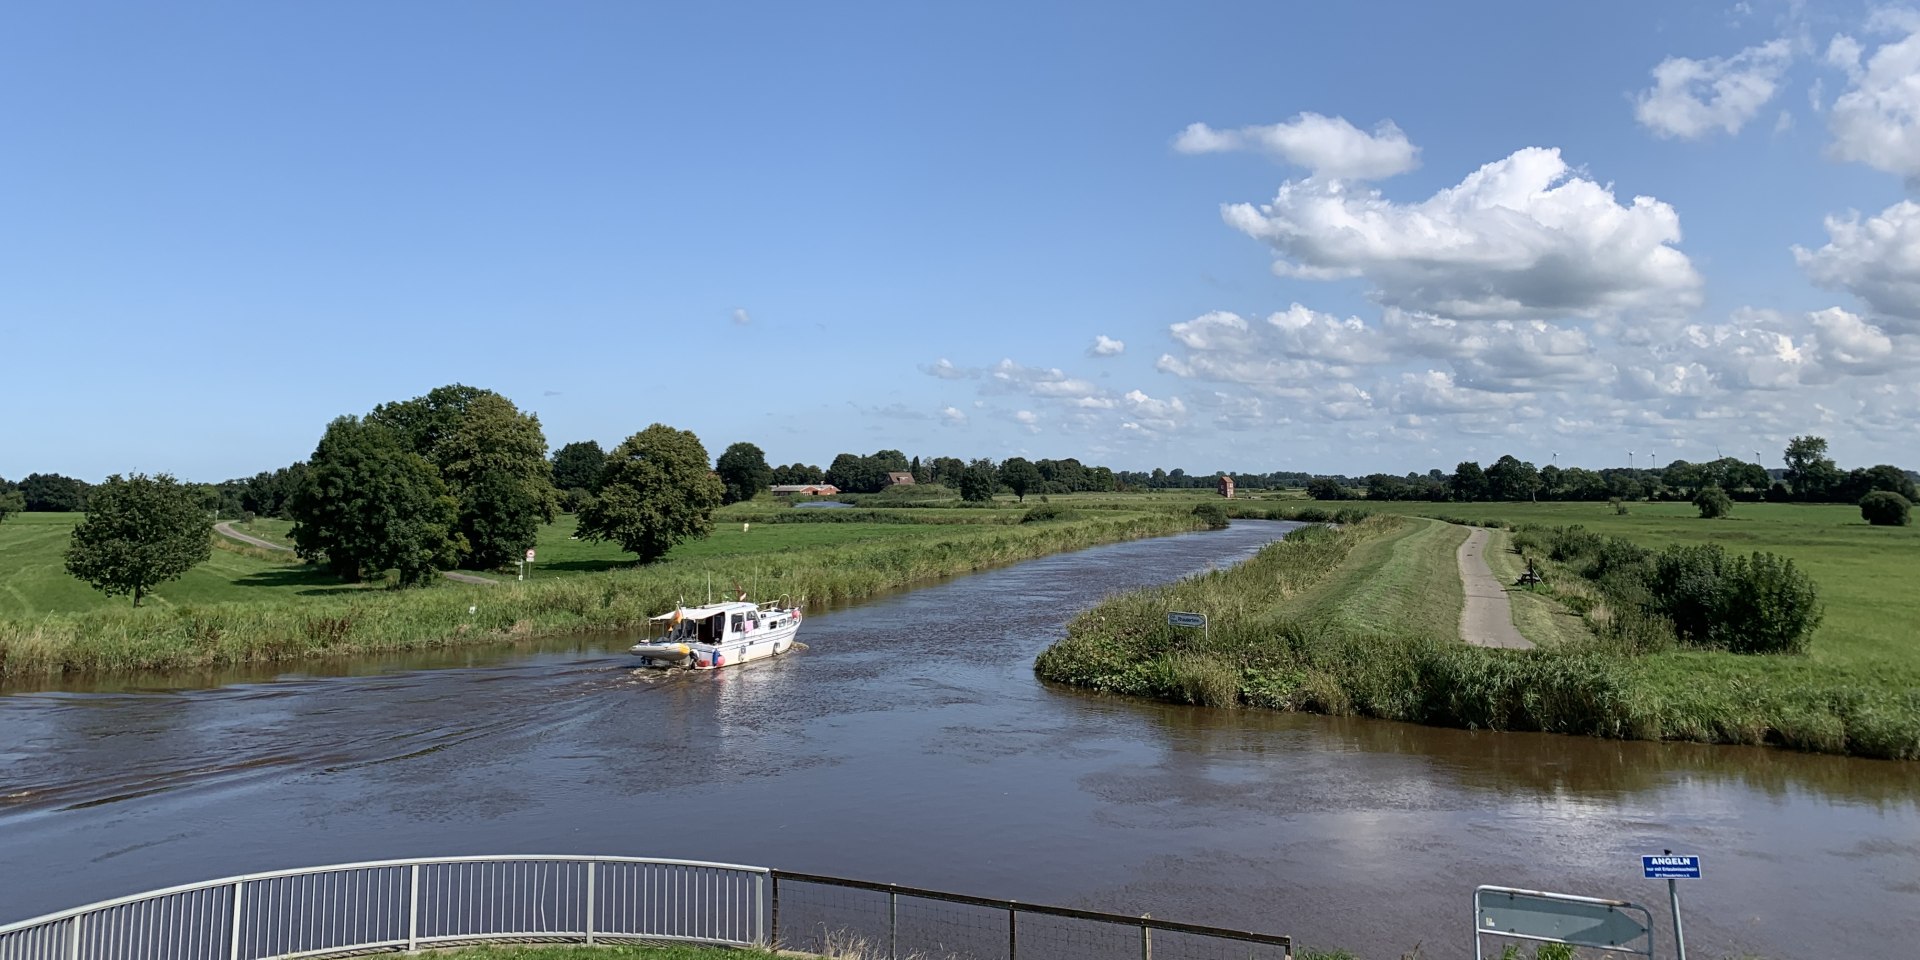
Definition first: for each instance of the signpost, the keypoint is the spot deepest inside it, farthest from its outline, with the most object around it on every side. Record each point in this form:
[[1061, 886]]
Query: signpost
[[1670, 868], [1561, 918], [526, 564], [1191, 620]]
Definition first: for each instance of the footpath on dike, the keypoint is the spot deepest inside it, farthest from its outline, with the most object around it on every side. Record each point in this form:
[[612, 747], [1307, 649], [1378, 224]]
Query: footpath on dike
[[1487, 619]]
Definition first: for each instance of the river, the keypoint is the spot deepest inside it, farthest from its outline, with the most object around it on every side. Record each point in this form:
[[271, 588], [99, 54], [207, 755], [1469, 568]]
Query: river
[[912, 744]]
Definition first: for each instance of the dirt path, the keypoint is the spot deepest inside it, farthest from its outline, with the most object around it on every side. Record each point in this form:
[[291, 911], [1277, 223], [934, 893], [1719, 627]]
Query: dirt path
[[226, 529], [1487, 620]]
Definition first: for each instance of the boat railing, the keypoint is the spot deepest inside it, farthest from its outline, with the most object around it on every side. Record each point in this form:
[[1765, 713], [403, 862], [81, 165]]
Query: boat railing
[[396, 905]]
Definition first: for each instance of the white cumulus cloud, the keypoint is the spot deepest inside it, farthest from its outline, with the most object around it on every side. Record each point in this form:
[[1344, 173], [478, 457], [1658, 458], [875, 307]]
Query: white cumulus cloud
[[1520, 238], [1327, 146], [1692, 98], [1105, 346], [1876, 259], [740, 317], [1876, 120], [953, 415]]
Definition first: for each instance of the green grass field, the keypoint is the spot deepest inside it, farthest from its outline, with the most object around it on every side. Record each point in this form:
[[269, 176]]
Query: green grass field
[[1866, 574], [34, 579]]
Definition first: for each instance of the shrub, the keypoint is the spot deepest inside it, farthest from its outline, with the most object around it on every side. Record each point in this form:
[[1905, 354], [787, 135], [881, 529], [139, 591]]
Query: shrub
[[1713, 502], [1213, 514], [1754, 604], [1326, 488], [1619, 506], [1350, 515], [1884, 508], [1045, 512]]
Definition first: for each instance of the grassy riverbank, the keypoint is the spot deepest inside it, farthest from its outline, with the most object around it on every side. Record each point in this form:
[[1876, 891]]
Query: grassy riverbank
[[196, 635], [1280, 640]]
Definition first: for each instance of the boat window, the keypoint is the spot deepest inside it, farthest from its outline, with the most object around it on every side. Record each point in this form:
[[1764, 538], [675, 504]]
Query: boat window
[[739, 623]]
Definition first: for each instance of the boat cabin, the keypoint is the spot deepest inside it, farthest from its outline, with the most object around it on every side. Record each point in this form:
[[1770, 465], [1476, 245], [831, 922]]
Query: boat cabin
[[717, 623]]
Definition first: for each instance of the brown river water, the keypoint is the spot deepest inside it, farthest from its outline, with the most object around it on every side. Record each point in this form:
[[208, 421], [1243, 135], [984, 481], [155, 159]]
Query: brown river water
[[912, 744]]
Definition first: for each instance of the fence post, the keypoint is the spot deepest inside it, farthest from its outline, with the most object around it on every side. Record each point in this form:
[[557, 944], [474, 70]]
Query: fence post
[[760, 909], [893, 925], [773, 909], [73, 949], [590, 866], [1013, 933], [1146, 939], [233, 937], [413, 909]]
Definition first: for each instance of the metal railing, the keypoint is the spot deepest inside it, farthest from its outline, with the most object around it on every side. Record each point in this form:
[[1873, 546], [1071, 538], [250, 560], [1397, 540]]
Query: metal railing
[[409, 904], [391, 905], [886, 921]]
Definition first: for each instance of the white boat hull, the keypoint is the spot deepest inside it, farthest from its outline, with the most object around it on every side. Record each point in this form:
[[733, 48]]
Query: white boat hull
[[758, 645]]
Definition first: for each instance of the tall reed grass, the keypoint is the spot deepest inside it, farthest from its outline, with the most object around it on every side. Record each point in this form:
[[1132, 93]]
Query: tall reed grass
[[161, 638]]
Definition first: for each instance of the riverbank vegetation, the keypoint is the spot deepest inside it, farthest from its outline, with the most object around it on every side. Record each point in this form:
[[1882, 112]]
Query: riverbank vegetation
[[194, 635], [1287, 634]]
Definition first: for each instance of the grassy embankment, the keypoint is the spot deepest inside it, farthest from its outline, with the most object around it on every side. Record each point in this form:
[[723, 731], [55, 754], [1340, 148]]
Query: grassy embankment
[[792, 560], [1324, 623]]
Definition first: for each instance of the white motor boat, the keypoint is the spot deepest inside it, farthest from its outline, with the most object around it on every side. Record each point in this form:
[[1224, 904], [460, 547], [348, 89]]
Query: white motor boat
[[721, 635]]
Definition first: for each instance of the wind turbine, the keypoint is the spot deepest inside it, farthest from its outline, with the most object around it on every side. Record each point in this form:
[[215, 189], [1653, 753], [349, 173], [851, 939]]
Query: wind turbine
[[1629, 459]]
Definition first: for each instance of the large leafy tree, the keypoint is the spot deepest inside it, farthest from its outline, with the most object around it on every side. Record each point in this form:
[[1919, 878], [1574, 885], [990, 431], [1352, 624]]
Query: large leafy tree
[[1511, 478], [1809, 472], [799, 473], [53, 493], [576, 466], [655, 492], [979, 481], [140, 531], [369, 504], [494, 460], [271, 494], [1020, 475], [743, 471], [857, 474], [1469, 482]]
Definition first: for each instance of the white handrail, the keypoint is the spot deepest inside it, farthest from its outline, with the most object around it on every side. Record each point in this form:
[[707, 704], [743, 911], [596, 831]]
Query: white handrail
[[370, 904], [363, 865]]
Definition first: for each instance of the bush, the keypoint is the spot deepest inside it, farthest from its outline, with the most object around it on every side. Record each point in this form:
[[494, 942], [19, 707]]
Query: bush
[[1346, 515], [1213, 514], [1045, 512], [1755, 604], [1884, 508], [1713, 503], [1619, 506], [1327, 488]]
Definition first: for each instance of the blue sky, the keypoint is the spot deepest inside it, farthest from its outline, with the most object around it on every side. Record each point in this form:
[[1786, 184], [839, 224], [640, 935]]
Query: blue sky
[[838, 227]]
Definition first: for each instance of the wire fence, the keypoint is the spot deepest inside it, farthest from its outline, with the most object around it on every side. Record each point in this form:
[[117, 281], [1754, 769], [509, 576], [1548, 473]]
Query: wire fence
[[409, 904]]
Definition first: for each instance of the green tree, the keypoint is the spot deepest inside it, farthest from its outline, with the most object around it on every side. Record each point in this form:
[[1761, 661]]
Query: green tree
[[655, 492], [368, 504], [1713, 503], [53, 493], [1326, 488], [1469, 482], [1019, 475], [979, 481], [948, 470], [1511, 478], [1889, 478], [744, 472], [139, 531], [853, 473], [577, 465], [1809, 473], [11, 500], [423, 422], [494, 461]]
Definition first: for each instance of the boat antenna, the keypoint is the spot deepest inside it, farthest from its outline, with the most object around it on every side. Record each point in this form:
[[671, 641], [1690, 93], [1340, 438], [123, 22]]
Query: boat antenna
[[709, 588]]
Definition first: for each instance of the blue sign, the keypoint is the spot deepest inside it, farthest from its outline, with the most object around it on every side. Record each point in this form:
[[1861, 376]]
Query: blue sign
[[1671, 867]]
